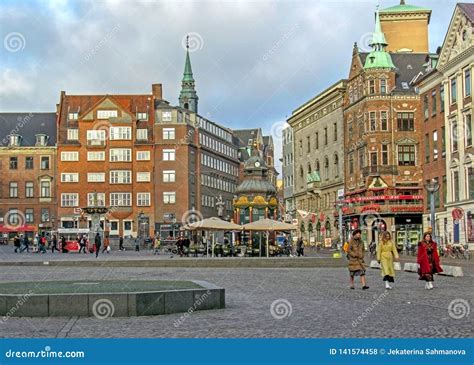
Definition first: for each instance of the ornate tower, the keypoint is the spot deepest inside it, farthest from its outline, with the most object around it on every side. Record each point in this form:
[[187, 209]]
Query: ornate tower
[[188, 98], [379, 57]]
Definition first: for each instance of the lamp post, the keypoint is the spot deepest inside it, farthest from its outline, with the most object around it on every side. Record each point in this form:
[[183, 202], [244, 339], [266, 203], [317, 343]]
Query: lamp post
[[432, 187], [141, 223], [340, 204]]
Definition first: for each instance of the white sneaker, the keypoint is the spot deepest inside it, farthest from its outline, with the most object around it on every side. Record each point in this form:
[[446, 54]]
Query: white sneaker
[[389, 287], [427, 286], [430, 285]]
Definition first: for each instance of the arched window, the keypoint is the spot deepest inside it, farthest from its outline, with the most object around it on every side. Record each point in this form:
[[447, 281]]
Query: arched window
[[301, 172], [326, 168], [309, 168], [317, 166], [336, 165]]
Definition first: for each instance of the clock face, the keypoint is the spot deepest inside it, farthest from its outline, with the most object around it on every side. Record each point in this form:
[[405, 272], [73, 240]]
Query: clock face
[[257, 164]]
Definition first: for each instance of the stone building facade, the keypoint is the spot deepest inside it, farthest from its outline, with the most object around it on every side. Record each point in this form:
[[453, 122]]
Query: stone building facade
[[287, 162], [318, 150]]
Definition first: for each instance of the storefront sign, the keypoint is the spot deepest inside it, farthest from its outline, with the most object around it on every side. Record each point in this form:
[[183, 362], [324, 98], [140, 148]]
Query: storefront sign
[[384, 197], [457, 214], [371, 208], [407, 209]]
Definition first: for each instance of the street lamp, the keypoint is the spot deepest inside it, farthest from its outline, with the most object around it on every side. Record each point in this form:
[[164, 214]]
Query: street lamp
[[432, 187], [340, 204]]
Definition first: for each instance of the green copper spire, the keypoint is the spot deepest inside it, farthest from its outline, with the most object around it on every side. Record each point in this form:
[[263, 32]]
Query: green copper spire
[[378, 58], [188, 98]]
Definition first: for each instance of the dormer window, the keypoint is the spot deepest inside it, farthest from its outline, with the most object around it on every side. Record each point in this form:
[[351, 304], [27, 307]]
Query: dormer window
[[14, 140], [41, 140], [72, 116], [142, 116]]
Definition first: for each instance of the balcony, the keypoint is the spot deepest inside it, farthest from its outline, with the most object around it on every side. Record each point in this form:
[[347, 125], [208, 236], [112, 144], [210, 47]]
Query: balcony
[[378, 170], [96, 143]]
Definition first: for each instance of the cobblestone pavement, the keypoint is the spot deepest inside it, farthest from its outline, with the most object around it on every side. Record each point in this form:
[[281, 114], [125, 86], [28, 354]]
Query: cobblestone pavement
[[268, 303]]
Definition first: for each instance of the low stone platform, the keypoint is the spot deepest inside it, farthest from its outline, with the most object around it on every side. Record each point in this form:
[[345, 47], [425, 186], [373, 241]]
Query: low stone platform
[[103, 299], [454, 271]]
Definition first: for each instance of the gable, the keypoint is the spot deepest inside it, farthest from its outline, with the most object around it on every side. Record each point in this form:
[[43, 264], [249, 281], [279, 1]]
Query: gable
[[107, 103]]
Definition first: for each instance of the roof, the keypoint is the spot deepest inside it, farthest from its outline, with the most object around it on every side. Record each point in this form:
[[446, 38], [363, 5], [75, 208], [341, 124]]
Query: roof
[[245, 134], [402, 8], [468, 9], [408, 65], [28, 125]]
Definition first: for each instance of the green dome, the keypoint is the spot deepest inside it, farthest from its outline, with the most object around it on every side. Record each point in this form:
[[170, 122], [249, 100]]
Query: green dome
[[379, 59]]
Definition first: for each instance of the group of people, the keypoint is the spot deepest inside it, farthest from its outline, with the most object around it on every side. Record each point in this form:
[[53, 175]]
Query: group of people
[[40, 243], [387, 254]]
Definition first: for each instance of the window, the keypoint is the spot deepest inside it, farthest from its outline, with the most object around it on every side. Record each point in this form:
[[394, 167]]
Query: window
[[69, 177], [443, 141], [169, 155], [169, 197], [385, 154], [120, 133], [405, 122], [69, 156], [468, 129], [426, 107], [72, 134], [169, 176], [317, 140], [96, 199], [351, 163], [72, 116], [371, 86], [142, 116], [106, 114], [456, 187], [143, 177], [445, 189], [143, 155], [29, 189], [325, 136], [29, 215], [120, 199], [142, 134], [467, 83], [427, 147], [143, 199], [45, 188], [453, 91], [44, 162], [120, 155], [169, 133], [44, 215], [334, 128], [372, 121], [120, 177], [383, 86], [470, 179], [433, 103], [406, 155], [13, 189], [336, 166], [308, 145], [383, 121], [29, 163], [437, 194], [69, 199], [326, 168], [361, 158], [166, 116], [96, 156], [454, 135], [349, 130], [441, 99], [13, 163], [96, 177], [435, 145]]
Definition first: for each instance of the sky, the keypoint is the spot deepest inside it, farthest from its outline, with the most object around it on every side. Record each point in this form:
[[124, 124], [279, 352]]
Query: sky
[[254, 62]]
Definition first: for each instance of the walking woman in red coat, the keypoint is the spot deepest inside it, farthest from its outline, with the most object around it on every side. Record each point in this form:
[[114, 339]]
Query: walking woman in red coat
[[428, 259]]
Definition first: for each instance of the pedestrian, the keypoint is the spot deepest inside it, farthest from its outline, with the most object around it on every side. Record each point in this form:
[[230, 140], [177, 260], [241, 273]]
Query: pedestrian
[[17, 244], [26, 244], [137, 244], [63, 245], [157, 246], [180, 245], [386, 253], [428, 260], [356, 253], [106, 244], [54, 244], [121, 243], [300, 247], [98, 243], [82, 244], [42, 244]]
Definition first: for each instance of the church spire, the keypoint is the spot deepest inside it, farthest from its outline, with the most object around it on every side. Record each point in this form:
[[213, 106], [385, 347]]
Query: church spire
[[379, 57], [188, 98]]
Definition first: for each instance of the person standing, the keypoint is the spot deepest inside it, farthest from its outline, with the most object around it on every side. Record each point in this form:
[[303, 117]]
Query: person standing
[[299, 247], [356, 253], [98, 243], [157, 245], [121, 243], [428, 260], [42, 244], [82, 244], [137, 245], [26, 244], [17, 244], [54, 244], [386, 253], [106, 244]]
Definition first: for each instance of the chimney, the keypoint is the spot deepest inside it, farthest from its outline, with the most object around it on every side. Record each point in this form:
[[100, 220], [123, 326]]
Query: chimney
[[157, 91]]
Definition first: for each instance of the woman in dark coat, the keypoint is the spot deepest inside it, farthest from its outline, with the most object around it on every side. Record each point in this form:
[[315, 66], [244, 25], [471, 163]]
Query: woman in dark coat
[[428, 260], [355, 254]]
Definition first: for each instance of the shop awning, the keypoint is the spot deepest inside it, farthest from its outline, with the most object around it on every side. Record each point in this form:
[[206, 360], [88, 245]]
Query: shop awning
[[22, 228]]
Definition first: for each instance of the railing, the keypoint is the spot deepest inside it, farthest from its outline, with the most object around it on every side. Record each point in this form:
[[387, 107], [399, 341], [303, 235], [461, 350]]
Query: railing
[[378, 170]]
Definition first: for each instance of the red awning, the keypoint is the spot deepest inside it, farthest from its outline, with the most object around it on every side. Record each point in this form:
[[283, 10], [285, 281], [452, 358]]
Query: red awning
[[23, 228]]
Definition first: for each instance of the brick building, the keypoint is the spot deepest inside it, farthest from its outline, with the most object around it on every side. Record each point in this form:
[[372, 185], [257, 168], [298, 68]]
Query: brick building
[[383, 129], [105, 151], [28, 166]]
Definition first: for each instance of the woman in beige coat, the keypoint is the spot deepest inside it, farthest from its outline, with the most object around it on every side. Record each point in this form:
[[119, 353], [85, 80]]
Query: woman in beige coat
[[386, 253]]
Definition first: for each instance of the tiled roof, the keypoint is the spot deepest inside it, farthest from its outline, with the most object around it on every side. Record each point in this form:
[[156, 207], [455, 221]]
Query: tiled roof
[[468, 9], [27, 125]]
